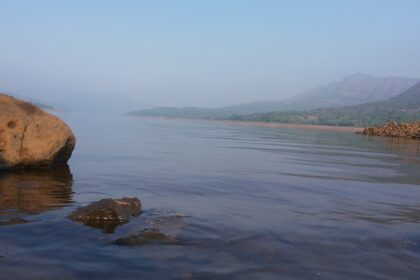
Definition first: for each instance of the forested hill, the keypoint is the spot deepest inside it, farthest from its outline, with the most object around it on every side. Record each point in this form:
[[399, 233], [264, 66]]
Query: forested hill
[[352, 90], [402, 108]]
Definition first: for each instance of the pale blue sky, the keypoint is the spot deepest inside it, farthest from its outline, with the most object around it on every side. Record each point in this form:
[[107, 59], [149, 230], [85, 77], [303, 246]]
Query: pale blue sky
[[205, 53]]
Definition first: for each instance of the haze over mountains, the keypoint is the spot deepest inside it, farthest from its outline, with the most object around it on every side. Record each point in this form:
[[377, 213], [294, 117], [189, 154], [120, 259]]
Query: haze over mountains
[[404, 107], [355, 89], [352, 90], [32, 100], [80, 101]]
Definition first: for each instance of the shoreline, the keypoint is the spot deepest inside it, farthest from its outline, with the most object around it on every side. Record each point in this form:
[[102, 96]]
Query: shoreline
[[349, 129]]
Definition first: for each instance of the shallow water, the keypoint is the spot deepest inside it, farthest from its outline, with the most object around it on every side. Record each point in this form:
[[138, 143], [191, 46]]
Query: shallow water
[[255, 202]]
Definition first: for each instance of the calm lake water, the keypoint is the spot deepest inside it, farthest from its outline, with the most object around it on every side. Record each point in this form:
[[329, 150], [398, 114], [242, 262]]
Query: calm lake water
[[251, 202]]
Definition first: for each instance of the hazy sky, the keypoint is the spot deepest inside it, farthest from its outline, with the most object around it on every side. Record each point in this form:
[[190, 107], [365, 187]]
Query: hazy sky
[[205, 53]]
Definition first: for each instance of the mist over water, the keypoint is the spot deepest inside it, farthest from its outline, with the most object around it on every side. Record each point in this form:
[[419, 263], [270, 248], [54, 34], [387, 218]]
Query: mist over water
[[256, 202]]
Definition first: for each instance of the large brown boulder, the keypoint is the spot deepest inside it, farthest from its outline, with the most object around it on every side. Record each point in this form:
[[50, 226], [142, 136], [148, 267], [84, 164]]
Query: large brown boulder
[[30, 137]]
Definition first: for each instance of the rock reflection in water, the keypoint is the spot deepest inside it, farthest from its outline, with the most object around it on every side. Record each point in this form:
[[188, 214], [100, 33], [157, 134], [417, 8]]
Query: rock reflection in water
[[406, 146], [33, 192]]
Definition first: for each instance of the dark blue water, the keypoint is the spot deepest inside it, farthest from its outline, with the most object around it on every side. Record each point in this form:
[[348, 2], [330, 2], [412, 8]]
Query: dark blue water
[[253, 202]]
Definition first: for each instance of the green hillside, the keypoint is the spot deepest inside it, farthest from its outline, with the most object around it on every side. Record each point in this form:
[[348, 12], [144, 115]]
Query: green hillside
[[402, 108]]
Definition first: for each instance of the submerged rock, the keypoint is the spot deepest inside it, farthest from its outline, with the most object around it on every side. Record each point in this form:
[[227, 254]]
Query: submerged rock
[[404, 130], [30, 137], [157, 227], [108, 213], [146, 237], [169, 222]]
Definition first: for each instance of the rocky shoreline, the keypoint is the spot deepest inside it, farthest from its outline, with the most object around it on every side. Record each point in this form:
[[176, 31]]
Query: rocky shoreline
[[402, 130]]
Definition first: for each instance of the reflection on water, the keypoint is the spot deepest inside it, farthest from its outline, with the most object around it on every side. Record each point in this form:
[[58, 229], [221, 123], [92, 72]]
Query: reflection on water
[[33, 192], [407, 146]]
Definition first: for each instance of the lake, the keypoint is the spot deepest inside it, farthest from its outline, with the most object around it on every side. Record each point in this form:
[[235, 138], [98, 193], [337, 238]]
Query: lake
[[253, 203]]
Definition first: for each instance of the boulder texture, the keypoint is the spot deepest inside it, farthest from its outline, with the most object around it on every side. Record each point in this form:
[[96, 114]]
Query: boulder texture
[[404, 130], [107, 213], [31, 137]]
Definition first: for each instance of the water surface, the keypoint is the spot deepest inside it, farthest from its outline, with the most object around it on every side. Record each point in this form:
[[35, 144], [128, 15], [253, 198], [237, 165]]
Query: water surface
[[256, 203]]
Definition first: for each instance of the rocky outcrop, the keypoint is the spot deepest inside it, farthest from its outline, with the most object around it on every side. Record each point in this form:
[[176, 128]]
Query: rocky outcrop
[[108, 213], [31, 137], [404, 130]]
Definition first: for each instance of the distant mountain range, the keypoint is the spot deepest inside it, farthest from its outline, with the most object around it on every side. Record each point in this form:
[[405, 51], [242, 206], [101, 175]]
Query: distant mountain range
[[352, 90], [43, 105], [356, 100], [404, 107]]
